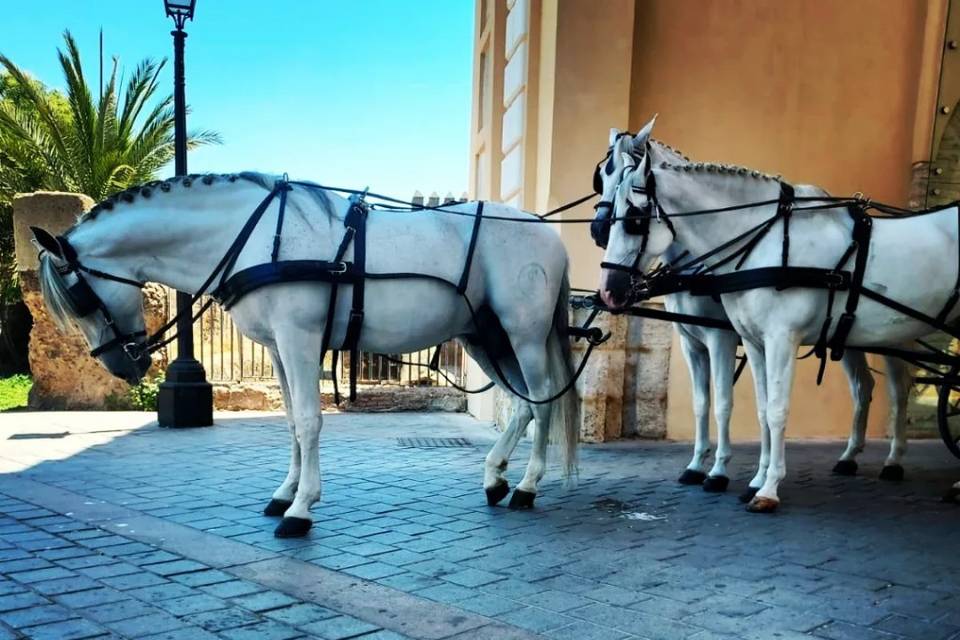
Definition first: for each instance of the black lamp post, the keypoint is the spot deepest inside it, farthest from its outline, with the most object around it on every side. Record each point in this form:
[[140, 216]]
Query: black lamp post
[[185, 398]]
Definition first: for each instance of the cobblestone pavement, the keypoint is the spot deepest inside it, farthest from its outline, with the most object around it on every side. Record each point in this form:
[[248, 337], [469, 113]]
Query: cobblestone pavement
[[112, 527]]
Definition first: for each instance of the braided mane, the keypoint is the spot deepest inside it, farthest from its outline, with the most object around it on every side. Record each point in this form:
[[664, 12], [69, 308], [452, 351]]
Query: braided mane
[[149, 189], [709, 167]]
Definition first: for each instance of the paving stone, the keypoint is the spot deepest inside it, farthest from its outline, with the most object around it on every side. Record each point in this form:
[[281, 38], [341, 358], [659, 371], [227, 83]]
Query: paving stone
[[66, 630], [473, 578], [141, 626], [445, 593], [110, 570], [339, 628], [557, 600], [299, 614], [185, 633], [232, 589], [160, 592], [193, 603], [221, 619], [21, 600], [385, 518], [120, 610], [202, 578], [585, 631], [844, 631], [36, 615], [268, 630], [174, 567], [64, 585], [134, 581], [489, 605], [90, 597], [914, 628], [264, 601], [536, 620]]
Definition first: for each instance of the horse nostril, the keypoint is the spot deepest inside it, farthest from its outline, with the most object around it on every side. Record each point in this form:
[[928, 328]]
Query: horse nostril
[[618, 285]]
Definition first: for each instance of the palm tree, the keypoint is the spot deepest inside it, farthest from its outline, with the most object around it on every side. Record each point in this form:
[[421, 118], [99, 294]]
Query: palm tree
[[98, 147], [76, 143]]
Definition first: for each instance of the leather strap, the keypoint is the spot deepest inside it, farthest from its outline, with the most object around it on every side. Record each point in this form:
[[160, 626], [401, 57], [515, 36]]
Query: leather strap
[[465, 275], [357, 220]]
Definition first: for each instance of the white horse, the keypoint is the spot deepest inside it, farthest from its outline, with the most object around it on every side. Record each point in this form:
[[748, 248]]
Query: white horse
[[170, 233], [710, 354], [774, 324]]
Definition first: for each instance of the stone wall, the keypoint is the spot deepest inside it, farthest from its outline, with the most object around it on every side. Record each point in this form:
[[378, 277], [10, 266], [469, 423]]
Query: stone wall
[[64, 375], [623, 387]]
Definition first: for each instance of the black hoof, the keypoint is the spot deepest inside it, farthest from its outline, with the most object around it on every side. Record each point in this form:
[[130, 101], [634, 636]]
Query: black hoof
[[277, 508], [292, 528], [716, 484], [497, 493], [747, 495], [953, 495], [689, 476], [521, 499], [845, 468], [893, 472]]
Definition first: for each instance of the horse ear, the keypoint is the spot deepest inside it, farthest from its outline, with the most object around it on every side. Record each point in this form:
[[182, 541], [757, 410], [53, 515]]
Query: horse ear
[[614, 134], [643, 136], [47, 242]]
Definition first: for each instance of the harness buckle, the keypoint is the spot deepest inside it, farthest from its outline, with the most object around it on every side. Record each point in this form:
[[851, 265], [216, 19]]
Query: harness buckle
[[836, 280], [340, 268], [133, 350]]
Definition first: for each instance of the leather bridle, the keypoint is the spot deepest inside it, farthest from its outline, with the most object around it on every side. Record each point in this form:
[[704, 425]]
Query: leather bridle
[[84, 301], [636, 221]]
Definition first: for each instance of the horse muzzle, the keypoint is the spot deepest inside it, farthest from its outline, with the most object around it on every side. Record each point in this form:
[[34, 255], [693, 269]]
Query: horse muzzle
[[614, 288]]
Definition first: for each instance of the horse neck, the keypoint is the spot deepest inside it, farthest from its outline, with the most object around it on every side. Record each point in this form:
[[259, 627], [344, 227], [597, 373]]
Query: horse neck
[[175, 238], [680, 192]]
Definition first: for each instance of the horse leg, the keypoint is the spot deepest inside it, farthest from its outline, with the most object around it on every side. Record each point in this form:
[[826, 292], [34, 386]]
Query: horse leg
[[495, 483], [722, 346], [698, 363], [283, 496], [758, 367], [861, 389], [899, 382], [781, 352], [533, 363], [300, 355]]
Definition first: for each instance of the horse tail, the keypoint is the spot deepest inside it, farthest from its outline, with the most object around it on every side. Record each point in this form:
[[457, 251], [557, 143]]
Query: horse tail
[[565, 412]]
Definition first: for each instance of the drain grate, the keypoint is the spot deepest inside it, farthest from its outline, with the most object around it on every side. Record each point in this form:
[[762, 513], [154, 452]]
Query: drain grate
[[433, 443], [38, 436]]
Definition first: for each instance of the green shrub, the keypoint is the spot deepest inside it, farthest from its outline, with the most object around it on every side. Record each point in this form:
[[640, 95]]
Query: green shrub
[[14, 391]]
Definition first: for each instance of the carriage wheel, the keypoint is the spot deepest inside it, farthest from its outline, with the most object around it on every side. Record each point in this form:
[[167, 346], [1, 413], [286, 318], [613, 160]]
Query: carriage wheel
[[948, 411]]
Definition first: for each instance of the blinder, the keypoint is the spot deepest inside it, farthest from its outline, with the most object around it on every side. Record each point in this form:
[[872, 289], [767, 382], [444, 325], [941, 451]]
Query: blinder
[[81, 298], [636, 222], [84, 301]]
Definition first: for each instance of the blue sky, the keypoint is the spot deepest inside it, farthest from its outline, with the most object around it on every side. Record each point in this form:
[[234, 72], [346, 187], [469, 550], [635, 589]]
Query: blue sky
[[365, 92]]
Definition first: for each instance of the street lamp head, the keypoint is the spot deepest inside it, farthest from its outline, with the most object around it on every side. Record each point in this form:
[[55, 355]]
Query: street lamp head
[[180, 10]]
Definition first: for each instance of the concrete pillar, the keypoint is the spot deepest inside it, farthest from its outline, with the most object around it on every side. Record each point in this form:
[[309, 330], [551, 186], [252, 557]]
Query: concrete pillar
[[64, 375], [586, 50]]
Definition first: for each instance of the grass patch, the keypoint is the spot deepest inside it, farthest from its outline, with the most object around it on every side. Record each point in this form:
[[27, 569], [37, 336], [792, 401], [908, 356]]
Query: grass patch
[[14, 390]]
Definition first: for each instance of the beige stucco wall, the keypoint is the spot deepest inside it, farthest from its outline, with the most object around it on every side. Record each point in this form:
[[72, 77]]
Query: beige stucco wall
[[839, 94], [822, 92]]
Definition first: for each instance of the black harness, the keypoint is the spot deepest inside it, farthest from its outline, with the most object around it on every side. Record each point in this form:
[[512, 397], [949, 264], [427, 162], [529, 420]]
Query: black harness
[[696, 276], [84, 301]]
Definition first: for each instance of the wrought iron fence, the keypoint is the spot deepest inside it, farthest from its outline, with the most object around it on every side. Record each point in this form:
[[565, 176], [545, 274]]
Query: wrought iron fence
[[228, 356]]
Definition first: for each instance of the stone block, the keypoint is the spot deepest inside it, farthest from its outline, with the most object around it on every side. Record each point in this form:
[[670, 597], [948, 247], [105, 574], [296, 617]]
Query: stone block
[[602, 383], [64, 375]]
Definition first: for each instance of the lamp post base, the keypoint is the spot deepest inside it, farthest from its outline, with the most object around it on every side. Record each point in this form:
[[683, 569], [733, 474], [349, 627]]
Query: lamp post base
[[185, 398]]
